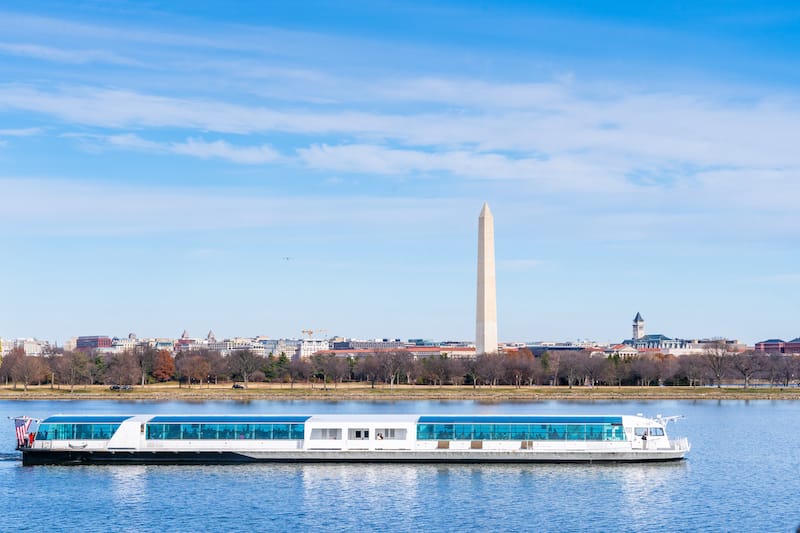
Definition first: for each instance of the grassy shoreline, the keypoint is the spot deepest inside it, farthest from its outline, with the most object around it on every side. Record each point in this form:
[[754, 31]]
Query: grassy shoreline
[[359, 391]]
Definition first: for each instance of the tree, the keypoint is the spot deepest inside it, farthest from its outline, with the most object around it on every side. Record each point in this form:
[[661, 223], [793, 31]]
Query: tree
[[147, 359], [391, 363], [28, 369], [8, 363], [298, 369], [369, 368], [244, 362], [489, 368], [692, 367], [645, 369], [195, 367], [596, 368], [122, 369], [747, 364], [520, 366], [163, 366], [717, 360], [74, 368], [574, 366]]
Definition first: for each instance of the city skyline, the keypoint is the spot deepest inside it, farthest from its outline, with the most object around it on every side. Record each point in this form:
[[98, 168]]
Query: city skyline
[[268, 169]]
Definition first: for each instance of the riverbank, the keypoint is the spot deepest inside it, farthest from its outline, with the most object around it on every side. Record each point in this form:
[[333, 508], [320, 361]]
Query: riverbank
[[360, 391]]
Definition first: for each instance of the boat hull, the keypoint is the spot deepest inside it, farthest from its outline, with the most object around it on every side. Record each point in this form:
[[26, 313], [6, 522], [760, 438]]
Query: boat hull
[[161, 457]]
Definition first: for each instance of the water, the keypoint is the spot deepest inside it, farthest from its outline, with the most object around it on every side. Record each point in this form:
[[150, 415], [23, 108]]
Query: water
[[743, 474]]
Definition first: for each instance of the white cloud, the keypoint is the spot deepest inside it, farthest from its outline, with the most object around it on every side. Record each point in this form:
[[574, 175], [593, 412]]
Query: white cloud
[[62, 55], [247, 155], [250, 155], [75, 207], [21, 132]]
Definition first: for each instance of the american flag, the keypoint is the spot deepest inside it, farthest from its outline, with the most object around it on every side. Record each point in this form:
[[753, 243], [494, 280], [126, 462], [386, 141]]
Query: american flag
[[22, 424]]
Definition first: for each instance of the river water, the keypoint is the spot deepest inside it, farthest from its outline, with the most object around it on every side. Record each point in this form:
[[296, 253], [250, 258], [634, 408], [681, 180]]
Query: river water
[[743, 474]]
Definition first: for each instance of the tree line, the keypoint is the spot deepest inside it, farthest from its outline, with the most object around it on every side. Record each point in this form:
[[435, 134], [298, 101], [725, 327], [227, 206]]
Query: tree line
[[391, 367]]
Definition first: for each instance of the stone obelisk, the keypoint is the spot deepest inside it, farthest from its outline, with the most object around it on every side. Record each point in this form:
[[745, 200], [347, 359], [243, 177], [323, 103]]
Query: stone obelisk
[[486, 316]]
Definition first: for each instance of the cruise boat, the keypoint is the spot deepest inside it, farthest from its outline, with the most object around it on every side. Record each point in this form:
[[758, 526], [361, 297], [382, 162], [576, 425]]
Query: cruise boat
[[223, 439]]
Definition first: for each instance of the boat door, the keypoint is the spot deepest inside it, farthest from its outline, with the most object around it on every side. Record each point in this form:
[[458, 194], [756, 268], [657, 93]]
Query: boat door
[[640, 436]]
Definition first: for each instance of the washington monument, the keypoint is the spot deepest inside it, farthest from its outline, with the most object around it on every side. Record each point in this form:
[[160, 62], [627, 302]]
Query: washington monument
[[486, 316]]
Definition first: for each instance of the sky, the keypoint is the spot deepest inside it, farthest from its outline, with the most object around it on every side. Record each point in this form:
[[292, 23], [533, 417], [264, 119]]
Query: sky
[[261, 168]]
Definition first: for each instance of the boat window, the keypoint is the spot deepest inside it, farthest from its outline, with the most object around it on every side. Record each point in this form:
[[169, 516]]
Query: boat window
[[390, 434], [254, 431], [326, 434], [640, 431], [358, 434], [595, 432], [657, 432], [76, 431]]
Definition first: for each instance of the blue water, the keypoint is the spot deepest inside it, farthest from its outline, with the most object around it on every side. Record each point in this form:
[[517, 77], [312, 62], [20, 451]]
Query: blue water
[[743, 474]]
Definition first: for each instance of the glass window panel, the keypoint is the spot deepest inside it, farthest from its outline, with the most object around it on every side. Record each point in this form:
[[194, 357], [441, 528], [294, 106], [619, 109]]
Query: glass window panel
[[463, 431], [227, 431], [208, 431], [502, 432], [425, 432], [297, 431], [190, 431], [83, 431], [45, 432], [576, 432], [155, 431], [443, 431], [518, 432], [539, 432], [280, 431], [103, 431], [594, 431], [482, 431], [556, 431], [262, 431], [172, 431]]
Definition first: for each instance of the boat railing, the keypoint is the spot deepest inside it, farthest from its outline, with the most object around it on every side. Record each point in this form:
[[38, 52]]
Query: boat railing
[[679, 444]]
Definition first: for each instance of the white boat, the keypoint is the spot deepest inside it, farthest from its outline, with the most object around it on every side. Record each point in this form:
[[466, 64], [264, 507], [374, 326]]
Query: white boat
[[222, 439]]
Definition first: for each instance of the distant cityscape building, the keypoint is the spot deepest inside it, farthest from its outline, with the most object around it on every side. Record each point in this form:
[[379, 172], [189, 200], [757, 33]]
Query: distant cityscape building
[[779, 346], [638, 327], [92, 342]]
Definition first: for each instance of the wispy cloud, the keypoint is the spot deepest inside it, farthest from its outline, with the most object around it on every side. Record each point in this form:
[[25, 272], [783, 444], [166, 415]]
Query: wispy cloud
[[20, 132], [192, 147], [61, 55]]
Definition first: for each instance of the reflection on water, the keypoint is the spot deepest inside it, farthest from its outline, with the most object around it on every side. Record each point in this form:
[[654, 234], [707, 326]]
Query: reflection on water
[[128, 484]]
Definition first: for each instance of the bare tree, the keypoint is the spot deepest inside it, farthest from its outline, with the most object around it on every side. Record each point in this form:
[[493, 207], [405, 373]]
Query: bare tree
[[596, 368], [8, 363], [391, 363], [692, 367], [122, 369], [28, 369], [520, 366], [490, 368], [574, 366], [369, 368], [244, 362], [74, 368], [195, 367], [644, 369], [747, 364], [298, 369], [718, 360]]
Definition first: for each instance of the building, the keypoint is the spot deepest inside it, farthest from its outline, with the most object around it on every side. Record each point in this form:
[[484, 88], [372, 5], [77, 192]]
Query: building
[[486, 312], [373, 344], [638, 327], [92, 342]]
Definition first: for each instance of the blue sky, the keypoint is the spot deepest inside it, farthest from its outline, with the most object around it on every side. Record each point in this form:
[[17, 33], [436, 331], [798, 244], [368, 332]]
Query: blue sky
[[263, 168]]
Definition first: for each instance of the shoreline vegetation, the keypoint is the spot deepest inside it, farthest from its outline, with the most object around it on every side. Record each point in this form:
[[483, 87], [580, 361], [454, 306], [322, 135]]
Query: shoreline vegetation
[[363, 391]]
